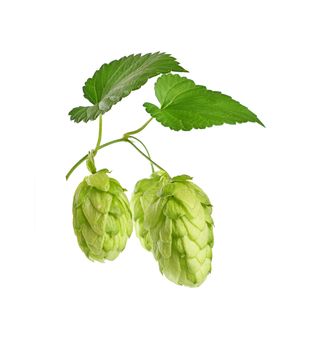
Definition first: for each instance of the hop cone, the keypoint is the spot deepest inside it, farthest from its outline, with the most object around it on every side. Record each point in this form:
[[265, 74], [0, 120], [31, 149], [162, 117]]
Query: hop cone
[[102, 218], [177, 220]]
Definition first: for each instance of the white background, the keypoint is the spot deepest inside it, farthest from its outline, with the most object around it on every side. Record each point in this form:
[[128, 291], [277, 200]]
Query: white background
[[266, 184]]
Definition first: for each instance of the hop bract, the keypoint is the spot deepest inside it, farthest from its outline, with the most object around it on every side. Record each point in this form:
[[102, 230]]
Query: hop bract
[[144, 193], [102, 218], [177, 220]]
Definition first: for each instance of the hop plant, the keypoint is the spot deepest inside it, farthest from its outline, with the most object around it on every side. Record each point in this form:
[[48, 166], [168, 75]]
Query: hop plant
[[172, 216], [173, 219], [102, 218]]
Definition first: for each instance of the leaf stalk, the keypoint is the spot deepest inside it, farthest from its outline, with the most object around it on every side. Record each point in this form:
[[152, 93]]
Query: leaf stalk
[[128, 134]]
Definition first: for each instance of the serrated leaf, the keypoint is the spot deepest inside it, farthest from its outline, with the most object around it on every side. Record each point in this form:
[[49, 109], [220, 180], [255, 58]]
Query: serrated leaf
[[186, 106], [117, 79]]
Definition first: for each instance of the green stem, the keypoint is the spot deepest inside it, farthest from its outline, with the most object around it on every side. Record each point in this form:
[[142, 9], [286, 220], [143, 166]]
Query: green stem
[[144, 155], [126, 136], [122, 139], [99, 135], [86, 156], [111, 143], [147, 151]]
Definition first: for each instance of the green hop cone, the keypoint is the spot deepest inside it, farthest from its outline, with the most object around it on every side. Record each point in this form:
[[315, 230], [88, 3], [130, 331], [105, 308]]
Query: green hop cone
[[102, 218], [177, 225]]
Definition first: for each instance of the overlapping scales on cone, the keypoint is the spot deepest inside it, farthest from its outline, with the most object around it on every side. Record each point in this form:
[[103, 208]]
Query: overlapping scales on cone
[[102, 218], [144, 193]]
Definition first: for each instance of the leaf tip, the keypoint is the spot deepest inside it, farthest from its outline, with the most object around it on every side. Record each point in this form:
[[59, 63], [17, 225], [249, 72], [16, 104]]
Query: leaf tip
[[260, 122], [179, 69]]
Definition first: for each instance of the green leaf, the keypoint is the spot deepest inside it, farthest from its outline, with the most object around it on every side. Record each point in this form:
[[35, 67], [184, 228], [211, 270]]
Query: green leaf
[[185, 105], [117, 79]]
